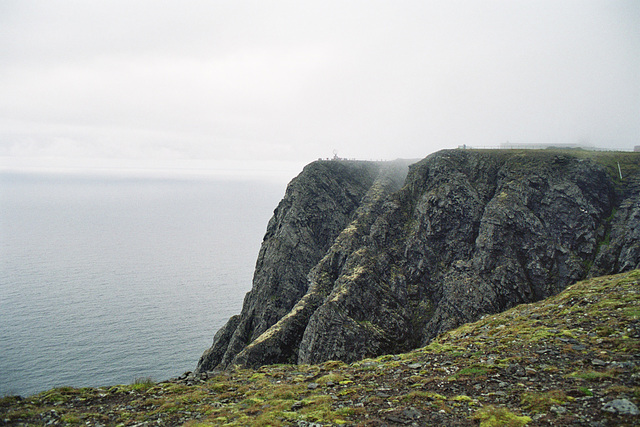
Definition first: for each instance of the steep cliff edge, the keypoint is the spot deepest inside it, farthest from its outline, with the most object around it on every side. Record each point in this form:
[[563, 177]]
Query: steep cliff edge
[[317, 206], [353, 265]]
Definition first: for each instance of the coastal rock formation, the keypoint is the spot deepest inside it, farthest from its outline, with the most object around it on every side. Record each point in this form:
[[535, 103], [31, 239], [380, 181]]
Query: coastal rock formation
[[317, 206], [360, 261]]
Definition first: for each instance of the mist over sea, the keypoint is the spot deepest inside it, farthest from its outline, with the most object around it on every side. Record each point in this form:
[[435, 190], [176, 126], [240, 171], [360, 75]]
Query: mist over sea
[[105, 279]]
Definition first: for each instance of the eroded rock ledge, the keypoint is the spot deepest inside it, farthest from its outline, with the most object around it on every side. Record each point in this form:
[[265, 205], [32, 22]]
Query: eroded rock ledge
[[359, 261]]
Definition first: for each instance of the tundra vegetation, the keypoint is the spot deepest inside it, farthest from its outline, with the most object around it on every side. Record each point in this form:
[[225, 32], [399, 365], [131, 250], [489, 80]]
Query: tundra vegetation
[[571, 359]]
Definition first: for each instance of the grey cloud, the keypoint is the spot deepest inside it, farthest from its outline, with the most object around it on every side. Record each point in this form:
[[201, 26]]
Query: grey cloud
[[289, 80]]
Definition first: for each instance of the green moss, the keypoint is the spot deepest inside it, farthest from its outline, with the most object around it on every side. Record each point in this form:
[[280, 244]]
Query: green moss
[[538, 334], [492, 416], [542, 402], [218, 387], [281, 392], [632, 312], [585, 391], [335, 378], [142, 384], [590, 375], [70, 419], [331, 365], [318, 409], [252, 401], [471, 371], [604, 330], [60, 394]]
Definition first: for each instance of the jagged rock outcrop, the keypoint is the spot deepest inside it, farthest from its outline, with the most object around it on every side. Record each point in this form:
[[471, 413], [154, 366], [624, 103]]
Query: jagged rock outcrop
[[353, 265], [317, 206]]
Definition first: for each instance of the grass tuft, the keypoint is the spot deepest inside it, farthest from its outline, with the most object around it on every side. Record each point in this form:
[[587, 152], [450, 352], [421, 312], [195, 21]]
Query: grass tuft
[[493, 416]]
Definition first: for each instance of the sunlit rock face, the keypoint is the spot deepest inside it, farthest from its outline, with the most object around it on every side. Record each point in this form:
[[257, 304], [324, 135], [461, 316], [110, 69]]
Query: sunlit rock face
[[366, 258]]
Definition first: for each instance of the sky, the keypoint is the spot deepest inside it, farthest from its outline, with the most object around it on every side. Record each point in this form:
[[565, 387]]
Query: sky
[[265, 87]]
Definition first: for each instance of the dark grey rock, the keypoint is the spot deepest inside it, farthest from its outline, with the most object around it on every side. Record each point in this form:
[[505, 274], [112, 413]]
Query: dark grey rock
[[317, 206], [411, 413], [301, 423], [558, 410], [358, 261], [396, 419], [515, 370]]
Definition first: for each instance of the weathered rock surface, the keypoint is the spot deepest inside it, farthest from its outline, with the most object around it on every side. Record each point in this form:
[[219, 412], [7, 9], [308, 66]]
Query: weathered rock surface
[[353, 265], [317, 206], [622, 407]]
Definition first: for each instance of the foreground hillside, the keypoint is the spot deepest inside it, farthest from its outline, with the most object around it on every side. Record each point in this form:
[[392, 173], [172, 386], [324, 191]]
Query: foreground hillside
[[572, 359]]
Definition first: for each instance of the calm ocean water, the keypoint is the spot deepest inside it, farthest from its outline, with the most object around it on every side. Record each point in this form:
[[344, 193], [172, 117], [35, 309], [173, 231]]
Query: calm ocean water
[[105, 279]]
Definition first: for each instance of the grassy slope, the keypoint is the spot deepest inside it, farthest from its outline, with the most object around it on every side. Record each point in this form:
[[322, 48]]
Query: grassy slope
[[555, 362]]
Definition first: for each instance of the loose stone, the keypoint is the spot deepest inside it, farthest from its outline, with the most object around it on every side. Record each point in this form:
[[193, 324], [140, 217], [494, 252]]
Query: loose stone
[[621, 407]]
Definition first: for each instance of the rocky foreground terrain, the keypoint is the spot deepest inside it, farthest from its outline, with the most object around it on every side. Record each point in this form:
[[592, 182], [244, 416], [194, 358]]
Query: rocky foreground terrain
[[571, 359]]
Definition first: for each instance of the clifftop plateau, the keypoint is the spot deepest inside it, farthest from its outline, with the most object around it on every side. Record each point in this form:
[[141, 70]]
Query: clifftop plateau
[[368, 258]]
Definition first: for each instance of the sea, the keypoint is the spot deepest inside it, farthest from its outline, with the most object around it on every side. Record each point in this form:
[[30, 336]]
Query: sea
[[111, 278]]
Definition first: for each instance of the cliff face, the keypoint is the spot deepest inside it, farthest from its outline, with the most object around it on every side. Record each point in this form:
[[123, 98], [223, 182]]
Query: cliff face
[[317, 206], [359, 261]]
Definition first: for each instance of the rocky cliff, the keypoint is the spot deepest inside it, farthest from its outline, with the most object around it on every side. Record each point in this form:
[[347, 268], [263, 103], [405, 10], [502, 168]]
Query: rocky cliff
[[363, 258]]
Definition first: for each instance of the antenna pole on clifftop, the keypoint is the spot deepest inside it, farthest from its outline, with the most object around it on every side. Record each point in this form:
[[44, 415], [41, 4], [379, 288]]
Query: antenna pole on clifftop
[[619, 171]]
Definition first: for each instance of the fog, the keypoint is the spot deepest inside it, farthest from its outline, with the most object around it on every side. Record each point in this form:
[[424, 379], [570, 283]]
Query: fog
[[251, 87]]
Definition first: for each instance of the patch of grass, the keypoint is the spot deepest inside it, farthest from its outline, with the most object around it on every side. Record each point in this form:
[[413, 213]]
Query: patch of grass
[[632, 312], [542, 402], [70, 419], [471, 371], [585, 391], [332, 365], [318, 409], [622, 389], [539, 334], [60, 394], [335, 378], [590, 375], [604, 331], [142, 384], [282, 392], [493, 416]]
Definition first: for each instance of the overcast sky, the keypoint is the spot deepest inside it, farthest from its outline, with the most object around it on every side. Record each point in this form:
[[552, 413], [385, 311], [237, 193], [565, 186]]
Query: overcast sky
[[273, 85]]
